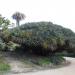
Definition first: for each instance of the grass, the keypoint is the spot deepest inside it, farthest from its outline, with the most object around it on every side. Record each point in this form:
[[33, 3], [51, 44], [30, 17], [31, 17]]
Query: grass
[[57, 60], [44, 61], [3, 65]]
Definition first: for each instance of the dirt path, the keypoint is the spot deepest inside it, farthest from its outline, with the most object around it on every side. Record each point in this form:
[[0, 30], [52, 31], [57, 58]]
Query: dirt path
[[67, 70], [17, 66]]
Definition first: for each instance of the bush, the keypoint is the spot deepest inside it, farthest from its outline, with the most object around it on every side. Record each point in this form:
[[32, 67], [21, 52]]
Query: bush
[[48, 61], [56, 59], [2, 45], [12, 46]]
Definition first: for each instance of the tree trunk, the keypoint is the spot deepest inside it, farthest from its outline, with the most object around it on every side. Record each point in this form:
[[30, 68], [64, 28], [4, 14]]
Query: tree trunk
[[18, 24]]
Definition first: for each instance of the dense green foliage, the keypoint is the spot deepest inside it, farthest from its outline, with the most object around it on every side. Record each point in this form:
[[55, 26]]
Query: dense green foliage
[[2, 45], [4, 22], [45, 37]]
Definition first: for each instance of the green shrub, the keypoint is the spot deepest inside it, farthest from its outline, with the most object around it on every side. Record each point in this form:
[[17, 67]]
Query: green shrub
[[12, 46], [43, 61], [57, 59], [49, 61], [2, 45]]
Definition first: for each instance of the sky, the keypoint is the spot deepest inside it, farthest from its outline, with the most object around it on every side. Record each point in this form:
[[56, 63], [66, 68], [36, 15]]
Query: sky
[[61, 12]]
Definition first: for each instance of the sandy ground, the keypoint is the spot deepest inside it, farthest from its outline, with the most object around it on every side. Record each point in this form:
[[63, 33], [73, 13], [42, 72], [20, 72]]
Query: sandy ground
[[17, 66], [67, 70]]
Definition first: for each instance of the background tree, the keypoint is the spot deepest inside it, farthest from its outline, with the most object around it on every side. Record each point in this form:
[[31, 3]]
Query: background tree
[[4, 23], [18, 17]]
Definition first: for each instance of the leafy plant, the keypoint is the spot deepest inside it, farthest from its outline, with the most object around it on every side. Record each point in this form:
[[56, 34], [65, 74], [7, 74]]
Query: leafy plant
[[2, 45], [12, 46], [57, 59]]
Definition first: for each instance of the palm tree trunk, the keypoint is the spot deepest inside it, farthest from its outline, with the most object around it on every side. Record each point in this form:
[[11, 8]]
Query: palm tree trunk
[[18, 24]]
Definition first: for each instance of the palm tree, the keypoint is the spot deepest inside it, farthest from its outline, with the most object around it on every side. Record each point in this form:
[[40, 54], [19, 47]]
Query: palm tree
[[18, 17]]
